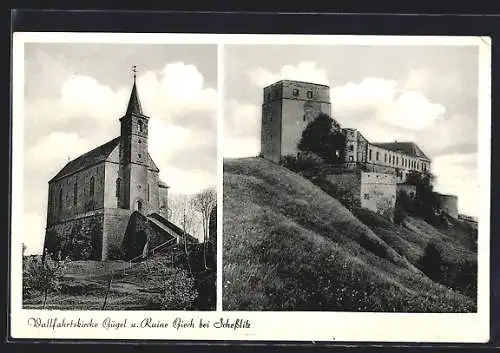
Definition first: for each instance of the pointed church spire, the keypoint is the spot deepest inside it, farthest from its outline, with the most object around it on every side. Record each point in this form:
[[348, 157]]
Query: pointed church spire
[[134, 104]]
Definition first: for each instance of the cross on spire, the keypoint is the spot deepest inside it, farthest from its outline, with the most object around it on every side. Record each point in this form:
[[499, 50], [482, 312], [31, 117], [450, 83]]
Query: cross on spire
[[134, 70], [134, 104]]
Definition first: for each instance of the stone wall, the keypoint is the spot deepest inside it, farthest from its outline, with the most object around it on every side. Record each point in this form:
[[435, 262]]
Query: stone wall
[[63, 205], [163, 201], [80, 238], [115, 225], [345, 187], [296, 115], [271, 131], [288, 107], [449, 204], [378, 192], [408, 189]]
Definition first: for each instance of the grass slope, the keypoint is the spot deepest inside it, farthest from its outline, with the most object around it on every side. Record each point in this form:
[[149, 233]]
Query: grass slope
[[290, 246]]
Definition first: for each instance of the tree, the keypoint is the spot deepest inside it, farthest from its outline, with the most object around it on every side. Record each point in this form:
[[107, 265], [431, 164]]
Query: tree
[[212, 230], [426, 202], [43, 277], [320, 138], [431, 262], [203, 203], [183, 215]]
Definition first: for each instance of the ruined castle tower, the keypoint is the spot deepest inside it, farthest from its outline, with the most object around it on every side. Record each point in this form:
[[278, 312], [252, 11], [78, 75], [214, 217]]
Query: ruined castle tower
[[287, 108]]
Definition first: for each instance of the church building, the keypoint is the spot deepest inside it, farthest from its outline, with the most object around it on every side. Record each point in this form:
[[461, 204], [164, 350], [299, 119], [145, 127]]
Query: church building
[[91, 199]]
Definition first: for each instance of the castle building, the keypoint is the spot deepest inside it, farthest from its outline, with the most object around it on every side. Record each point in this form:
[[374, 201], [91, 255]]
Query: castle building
[[373, 172], [93, 196], [289, 106]]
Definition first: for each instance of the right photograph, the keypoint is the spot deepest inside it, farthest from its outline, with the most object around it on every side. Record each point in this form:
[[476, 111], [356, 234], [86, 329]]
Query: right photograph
[[350, 178]]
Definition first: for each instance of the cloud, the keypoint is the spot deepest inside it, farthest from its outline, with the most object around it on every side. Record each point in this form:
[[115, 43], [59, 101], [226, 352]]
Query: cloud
[[386, 102], [85, 113], [457, 175], [305, 71], [33, 232], [241, 130], [189, 181]]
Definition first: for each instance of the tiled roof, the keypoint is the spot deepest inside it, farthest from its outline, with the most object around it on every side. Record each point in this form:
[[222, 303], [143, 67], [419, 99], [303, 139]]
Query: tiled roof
[[409, 148], [98, 154], [162, 184]]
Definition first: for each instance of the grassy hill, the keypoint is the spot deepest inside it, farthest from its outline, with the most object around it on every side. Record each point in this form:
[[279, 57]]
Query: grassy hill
[[134, 286], [290, 246]]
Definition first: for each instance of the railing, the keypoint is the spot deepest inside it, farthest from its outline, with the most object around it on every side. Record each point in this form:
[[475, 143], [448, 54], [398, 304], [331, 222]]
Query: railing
[[150, 252], [169, 242]]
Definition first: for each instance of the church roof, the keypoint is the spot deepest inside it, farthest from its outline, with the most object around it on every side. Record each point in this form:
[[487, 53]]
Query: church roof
[[409, 148], [134, 104], [162, 184], [98, 154]]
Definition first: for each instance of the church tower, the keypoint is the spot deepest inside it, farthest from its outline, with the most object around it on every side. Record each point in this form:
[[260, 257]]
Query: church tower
[[133, 185]]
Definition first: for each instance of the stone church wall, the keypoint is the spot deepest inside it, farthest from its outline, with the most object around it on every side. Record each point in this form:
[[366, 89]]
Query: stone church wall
[[85, 202], [114, 225], [80, 238]]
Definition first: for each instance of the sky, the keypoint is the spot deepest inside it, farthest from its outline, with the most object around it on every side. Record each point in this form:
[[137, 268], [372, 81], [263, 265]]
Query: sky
[[426, 94], [74, 95]]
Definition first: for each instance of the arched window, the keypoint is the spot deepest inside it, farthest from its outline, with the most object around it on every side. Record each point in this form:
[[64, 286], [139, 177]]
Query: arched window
[[75, 192], [118, 187], [59, 204], [309, 94], [351, 148], [148, 192], [140, 125], [91, 186]]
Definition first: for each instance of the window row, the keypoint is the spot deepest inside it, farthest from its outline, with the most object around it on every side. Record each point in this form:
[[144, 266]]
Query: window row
[[91, 191], [296, 93], [394, 160]]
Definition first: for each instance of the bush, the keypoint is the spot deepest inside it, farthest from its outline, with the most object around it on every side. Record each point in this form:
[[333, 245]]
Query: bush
[[42, 277], [318, 137], [431, 262], [303, 161], [204, 279], [175, 287]]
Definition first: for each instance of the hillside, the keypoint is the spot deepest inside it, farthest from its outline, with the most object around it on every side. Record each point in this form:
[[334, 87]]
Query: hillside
[[135, 286], [290, 246]]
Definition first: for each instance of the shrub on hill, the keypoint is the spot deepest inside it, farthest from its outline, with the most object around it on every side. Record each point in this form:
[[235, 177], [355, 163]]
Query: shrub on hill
[[175, 287], [426, 202], [204, 278], [41, 277]]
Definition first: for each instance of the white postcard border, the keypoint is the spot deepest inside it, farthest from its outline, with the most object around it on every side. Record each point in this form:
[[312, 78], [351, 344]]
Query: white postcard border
[[269, 326]]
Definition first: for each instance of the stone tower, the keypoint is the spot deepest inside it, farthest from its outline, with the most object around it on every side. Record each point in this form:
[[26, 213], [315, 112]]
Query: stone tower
[[133, 187], [287, 108]]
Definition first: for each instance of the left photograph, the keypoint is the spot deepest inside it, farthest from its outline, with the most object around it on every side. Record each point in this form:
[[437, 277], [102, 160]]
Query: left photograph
[[119, 164]]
